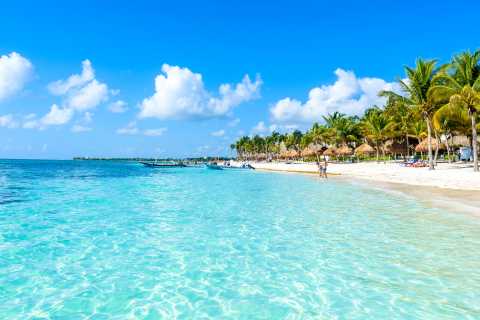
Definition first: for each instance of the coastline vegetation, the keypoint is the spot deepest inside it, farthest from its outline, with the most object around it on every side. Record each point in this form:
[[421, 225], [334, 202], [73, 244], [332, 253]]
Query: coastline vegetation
[[436, 111]]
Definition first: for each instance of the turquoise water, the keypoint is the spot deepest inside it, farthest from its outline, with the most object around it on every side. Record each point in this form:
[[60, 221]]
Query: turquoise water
[[105, 240]]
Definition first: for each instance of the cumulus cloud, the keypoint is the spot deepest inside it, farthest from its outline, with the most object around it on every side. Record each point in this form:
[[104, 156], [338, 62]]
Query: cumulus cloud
[[80, 92], [56, 116], [15, 71], [61, 87], [348, 94], [7, 121], [88, 97], [118, 106], [181, 94], [219, 133]]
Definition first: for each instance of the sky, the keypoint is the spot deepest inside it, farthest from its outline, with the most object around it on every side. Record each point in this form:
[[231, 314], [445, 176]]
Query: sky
[[187, 78]]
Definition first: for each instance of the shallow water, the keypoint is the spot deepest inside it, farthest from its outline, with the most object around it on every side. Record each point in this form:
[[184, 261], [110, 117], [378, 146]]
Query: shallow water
[[107, 240]]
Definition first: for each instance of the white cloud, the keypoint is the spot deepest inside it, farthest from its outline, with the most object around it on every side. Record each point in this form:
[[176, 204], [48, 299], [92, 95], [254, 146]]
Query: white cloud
[[118, 106], [7, 121], [181, 94], [56, 116], [15, 71], [219, 133], [81, 92], [79, 128], [154, 132], [131, 129], [88, 97], [282, 128], [61, 87], [348, 94], [260, 128]]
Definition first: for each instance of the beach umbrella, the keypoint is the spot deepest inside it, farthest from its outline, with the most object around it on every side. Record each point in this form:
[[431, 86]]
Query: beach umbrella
[[284, 154], [292, 153], [395, 147], [344, 150], [330, 151], [364, 149], [423, 146], [307, 152]]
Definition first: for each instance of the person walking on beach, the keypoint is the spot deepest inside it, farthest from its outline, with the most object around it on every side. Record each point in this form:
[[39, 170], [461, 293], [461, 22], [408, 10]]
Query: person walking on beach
[[324, 167]]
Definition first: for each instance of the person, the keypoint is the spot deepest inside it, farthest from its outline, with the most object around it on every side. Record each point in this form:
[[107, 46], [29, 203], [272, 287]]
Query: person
[[325, 162], [320, 169]]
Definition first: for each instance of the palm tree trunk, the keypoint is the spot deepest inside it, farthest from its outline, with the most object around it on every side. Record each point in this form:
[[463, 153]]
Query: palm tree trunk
[[378, 153], [473, 116], [437, 146], [408, 146], [431, 165], [448, 150]]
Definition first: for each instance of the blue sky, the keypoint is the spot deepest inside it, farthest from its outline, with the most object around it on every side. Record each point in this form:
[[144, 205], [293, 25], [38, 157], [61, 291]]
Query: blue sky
[[65, 66]]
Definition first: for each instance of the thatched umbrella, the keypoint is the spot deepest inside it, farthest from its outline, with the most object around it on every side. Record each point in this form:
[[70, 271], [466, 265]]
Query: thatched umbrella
[[330, 151], [344, 150], [364, 149], [423, 146], [284, 154], [261, 156], [307, 152], [393, 147], [311, 150]]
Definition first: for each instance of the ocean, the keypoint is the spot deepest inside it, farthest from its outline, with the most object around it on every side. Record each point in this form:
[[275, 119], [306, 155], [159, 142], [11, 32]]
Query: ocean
[[116, 240]]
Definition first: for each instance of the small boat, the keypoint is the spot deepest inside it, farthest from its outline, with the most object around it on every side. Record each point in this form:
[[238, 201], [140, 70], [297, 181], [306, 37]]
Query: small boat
[[213, 166], [242, 166], [163, 165]]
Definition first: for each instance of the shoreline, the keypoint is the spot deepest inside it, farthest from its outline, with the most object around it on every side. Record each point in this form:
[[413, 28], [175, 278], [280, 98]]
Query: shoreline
[[450, 187]]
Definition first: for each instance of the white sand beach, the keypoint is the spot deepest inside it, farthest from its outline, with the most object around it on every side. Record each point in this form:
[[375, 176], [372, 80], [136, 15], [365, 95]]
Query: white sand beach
[[448, 176]]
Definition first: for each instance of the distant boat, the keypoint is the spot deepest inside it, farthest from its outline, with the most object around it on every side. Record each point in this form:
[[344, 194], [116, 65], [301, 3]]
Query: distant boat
[[213, 166], [163, 165]]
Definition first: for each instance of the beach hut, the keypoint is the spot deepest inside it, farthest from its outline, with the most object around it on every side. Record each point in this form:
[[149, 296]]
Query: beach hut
[[312, 150], [308, 152], [423, 146], [332, 151], [344, 151], [364, 149], [395, 148]]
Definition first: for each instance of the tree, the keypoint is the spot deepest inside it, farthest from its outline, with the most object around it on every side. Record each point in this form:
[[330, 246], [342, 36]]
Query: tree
[[460, 83], [402, 115], [345, 129], [416, 89], [377, 126]]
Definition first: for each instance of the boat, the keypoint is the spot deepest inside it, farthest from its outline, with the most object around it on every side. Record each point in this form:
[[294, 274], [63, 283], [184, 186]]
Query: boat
[[213, 166], [163, 165]]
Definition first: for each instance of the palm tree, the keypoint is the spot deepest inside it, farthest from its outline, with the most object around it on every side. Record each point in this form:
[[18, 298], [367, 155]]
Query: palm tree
[[377, 126], [344, 128], [460, 83], [403, 116], [416, 88], [449, 121]]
